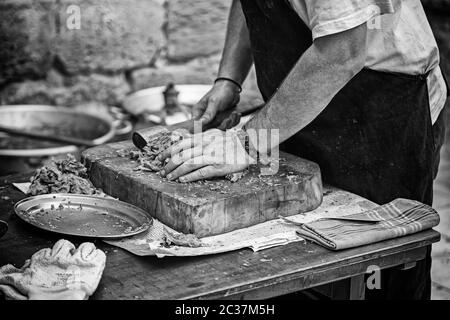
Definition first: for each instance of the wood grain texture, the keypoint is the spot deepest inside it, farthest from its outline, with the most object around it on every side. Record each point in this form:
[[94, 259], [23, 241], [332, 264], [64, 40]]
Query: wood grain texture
[[240, 274], [212, 207]]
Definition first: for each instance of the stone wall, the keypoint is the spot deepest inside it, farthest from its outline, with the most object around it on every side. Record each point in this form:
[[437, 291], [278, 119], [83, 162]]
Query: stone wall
[[66, 52]]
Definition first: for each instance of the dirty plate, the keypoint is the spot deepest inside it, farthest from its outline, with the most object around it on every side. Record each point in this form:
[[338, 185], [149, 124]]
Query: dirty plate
[[82, 215]]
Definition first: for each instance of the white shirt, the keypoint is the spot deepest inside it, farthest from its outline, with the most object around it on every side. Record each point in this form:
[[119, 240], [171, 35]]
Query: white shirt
[[399, 37]]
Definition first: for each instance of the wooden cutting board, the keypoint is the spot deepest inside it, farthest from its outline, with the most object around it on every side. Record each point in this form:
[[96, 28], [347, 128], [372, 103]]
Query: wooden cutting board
[[208, 207]]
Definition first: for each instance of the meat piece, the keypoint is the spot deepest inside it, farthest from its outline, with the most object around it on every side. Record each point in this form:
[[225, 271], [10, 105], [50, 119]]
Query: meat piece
[[181, 239], [235, 177], [48, 174], [71, 165], [62, 176]]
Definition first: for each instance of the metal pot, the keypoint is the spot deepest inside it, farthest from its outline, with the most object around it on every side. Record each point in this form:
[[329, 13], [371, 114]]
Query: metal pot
[[151, 100], [20, 154]]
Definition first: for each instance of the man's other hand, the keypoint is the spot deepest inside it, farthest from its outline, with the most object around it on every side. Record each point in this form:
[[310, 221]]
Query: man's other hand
[[206, 155], [223, 95]]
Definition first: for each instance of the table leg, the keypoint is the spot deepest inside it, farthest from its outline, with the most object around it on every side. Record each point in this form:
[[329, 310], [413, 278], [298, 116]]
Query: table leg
[[357, 287], [353, 288]]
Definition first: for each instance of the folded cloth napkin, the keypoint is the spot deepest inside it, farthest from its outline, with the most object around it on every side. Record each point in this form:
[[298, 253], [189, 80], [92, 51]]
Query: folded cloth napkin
[[60, 273], [398, 218]]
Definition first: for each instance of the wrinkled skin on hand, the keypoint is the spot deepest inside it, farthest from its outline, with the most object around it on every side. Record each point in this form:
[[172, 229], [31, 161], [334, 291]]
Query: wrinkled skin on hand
[[222, 96], [206, 155]]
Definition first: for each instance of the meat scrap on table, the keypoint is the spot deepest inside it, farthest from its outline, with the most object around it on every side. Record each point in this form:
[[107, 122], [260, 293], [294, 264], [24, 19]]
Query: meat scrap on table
[[62, 176], [181, 240]]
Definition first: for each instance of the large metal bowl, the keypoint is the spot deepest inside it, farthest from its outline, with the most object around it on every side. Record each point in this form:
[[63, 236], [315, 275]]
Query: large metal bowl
[[53, 120], [151, 100]]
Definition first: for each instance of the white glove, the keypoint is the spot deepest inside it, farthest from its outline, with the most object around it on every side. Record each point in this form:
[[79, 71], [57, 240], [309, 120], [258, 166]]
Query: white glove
[[62, 272]]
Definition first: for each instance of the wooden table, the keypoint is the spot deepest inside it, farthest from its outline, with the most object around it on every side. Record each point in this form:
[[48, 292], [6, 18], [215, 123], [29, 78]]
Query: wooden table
[[236, 275]]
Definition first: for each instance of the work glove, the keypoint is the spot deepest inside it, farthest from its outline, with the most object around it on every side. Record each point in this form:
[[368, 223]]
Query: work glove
[[60, 273]]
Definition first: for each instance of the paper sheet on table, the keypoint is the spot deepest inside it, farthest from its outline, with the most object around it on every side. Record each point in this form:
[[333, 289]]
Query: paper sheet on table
[[258, 237], [24, 186]]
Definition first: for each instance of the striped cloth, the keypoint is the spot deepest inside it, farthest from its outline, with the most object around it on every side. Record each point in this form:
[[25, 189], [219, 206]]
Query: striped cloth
[[398, 218]]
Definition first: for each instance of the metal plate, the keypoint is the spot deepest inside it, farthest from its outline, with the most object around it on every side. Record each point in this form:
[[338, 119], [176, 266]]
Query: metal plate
[[82, 215]]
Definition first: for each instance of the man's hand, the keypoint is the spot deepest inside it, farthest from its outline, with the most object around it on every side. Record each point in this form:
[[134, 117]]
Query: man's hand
[[235, 64], [213, 153], [223, 95]]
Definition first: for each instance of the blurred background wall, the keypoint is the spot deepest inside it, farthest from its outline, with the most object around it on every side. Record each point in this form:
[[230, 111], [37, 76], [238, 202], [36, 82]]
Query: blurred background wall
[[48, 56]]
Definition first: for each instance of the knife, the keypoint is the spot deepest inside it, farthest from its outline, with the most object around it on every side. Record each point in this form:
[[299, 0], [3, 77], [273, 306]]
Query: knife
[[3, 228], [224, 120]]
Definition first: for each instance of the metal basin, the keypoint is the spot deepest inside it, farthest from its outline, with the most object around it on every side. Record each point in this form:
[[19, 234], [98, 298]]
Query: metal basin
[[51, 120], [151, 100], [18, 154]]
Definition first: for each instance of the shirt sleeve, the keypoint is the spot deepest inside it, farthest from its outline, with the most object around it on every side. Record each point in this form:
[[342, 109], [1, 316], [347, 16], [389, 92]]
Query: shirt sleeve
[[328, 17]]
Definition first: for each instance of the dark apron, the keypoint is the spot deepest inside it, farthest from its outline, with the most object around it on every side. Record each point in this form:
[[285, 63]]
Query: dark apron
[[374, 139]]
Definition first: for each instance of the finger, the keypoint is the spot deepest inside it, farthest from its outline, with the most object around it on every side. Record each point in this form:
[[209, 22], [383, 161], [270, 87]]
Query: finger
[[211, 111], [209, 137], [199, 109], [225, 124], [183, 133], [176, 148], [231, 121], [236, 118], [62, 249], [203, 173], [190, 166], [179, 159]]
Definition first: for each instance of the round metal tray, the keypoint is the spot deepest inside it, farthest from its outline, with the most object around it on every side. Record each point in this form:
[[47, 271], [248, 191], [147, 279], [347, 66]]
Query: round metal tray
[[82, 215]]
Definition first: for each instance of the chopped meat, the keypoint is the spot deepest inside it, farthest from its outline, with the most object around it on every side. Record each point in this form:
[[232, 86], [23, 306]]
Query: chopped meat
[[148, 160], [235, 177], [62, 176], [147, 157], [181, 240], [71, 165]]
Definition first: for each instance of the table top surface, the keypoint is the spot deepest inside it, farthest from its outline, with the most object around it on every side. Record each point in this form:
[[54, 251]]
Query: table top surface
[[238, 274]]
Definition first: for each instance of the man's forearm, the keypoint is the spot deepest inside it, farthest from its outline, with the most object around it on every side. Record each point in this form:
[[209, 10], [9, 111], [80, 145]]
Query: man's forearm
[[237, 57], [321, 72]]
